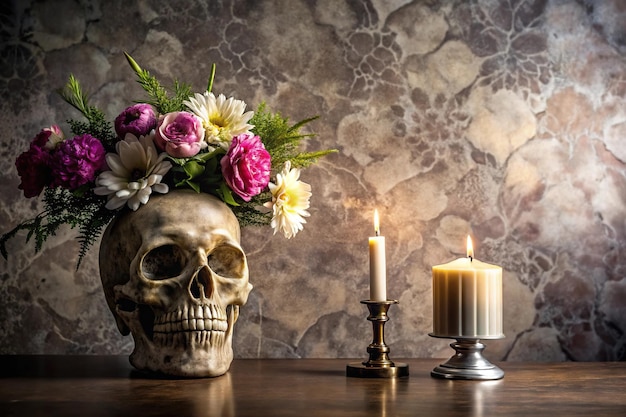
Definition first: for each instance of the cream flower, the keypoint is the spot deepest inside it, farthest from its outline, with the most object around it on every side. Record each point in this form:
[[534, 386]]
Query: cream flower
[[222, 118], [290, 201], [136, 170]]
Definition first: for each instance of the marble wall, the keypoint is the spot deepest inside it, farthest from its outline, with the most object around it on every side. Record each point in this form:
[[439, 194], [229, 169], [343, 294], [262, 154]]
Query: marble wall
[[504, 119]]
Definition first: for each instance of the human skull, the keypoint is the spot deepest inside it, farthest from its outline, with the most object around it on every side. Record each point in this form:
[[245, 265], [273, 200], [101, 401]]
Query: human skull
[[174, 275]]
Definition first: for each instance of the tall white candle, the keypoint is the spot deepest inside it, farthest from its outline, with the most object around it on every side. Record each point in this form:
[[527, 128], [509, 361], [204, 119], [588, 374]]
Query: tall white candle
[[378, 267], [467, 298]]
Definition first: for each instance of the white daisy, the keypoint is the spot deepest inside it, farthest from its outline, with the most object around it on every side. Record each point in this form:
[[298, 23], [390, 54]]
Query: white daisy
[[222, 118], [290, 201], [136, 170]]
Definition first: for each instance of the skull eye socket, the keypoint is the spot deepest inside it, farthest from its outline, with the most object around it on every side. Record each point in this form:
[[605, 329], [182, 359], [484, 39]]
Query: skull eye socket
[[227, 261], [164, 262]]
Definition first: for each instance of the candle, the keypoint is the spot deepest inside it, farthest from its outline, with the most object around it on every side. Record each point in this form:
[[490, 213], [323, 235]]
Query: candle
[[378, 268], [467, 298]]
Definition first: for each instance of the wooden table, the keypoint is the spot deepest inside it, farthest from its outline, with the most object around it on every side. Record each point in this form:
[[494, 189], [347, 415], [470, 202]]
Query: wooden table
[[91, 386]]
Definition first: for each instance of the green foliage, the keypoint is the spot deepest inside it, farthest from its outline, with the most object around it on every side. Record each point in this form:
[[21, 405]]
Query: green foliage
[[201, 173], [159, 97], [209, 87], [283, 140], [96, 124], [79, 209], [249, 214]]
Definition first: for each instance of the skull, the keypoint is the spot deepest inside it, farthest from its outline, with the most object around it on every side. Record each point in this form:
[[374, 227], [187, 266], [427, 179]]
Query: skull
[[174, 275]]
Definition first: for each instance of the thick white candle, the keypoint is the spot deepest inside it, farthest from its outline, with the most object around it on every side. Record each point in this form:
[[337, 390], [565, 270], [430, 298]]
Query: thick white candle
[[467, 298], [378, 267]]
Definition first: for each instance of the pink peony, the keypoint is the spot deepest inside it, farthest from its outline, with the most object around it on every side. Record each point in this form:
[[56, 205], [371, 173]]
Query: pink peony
[[138, 119], [180, 134], [77, 162], [247, 165]]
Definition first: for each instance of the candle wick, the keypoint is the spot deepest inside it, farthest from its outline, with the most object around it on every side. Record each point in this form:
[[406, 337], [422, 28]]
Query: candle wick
[[377, 232], [471, 258]]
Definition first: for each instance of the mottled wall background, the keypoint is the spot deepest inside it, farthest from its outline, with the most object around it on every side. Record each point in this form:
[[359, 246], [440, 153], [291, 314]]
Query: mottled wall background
[[503, 119]]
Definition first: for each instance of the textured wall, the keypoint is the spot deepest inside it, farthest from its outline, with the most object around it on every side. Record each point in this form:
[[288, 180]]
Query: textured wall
[[503, 119]]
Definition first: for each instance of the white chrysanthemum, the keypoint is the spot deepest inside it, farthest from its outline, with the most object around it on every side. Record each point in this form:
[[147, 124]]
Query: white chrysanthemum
[[290, 201], [136, 170], [222, 118]]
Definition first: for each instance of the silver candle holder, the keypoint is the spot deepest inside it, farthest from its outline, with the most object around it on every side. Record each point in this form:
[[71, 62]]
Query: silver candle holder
[[378, 365], [468, 361]]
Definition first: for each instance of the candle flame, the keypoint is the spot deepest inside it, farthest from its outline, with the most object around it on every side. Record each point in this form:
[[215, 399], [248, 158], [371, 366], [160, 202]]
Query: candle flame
[[376, 223], [470, 248]]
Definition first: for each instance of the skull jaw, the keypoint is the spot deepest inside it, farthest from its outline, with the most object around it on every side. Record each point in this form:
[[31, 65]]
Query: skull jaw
[[191, 362], [192, 354]]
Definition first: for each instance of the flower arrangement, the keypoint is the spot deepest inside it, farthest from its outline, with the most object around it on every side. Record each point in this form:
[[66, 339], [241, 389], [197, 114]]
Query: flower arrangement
[[176, 139]]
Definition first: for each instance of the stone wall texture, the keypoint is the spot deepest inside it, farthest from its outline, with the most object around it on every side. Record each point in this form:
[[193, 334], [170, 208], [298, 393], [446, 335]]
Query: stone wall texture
[[503, 119]]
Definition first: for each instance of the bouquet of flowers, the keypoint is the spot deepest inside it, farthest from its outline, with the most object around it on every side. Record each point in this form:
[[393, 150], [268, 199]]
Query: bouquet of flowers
[[250, 160]]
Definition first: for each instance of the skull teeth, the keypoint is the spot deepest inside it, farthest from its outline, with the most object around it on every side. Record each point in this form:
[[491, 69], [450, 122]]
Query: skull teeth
[[191, 319], [187, 339]]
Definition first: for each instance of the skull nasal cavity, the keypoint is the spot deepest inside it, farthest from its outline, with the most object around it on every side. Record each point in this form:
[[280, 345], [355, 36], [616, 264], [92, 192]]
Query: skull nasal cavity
[[201, 285]]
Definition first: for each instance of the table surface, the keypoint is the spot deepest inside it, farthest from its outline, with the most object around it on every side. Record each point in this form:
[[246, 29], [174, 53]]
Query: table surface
[[108, 386]]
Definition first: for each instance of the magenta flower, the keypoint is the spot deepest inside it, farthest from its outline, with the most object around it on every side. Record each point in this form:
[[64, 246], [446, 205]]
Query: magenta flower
[[34, 170], [180, 134], [247, 165], [77, 162], [33, 166], [138, 119]]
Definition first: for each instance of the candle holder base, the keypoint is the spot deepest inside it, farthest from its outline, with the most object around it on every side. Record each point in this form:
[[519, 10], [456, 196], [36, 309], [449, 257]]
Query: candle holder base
[[467, 363], [361, 370], [378, 365]]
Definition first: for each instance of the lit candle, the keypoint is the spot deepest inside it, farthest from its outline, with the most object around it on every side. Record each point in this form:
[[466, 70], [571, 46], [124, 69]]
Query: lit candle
[[378, 268], [467, 298]]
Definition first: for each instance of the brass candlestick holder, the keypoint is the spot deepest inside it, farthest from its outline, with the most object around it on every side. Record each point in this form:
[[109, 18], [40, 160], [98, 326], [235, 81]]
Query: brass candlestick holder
[[468, 362], [378, 365]]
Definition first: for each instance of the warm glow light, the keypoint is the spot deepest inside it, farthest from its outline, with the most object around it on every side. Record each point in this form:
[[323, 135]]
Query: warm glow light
[[376, 222], [470, 248]]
